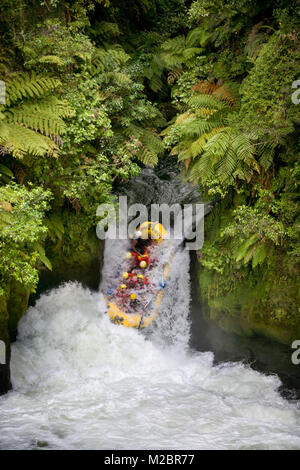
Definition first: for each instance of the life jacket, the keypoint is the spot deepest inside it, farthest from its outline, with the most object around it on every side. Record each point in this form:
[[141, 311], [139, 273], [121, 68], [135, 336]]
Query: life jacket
[[138, 258], [132, 281], [143, 282], [134, 304], [122, 293]]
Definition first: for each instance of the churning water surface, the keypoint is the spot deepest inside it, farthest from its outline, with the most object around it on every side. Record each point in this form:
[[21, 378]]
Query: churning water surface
[[81, 382]]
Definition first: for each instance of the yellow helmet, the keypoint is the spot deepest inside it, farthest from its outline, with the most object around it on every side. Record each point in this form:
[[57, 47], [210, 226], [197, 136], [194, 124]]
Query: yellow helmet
[[123, 286], [153, 230], [140, 276], [128, 255], [125, 275], [132, 296], [143, 264]]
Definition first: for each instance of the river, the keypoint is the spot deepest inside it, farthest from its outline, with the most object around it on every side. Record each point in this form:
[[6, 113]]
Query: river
[[81, 382]]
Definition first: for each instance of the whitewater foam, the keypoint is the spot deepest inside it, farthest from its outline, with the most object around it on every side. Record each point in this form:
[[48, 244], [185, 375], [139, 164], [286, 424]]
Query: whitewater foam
[[82, 382]]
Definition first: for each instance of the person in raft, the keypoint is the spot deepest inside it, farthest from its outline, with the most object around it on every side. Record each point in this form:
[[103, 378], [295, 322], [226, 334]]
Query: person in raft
[[139, 244]]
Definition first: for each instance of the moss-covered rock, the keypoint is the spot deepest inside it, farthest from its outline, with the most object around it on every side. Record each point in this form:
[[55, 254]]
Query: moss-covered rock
[[78, 256], [5, 383], [17, 303], [13, 304], [81, 261], [251, 320], [239, 298]]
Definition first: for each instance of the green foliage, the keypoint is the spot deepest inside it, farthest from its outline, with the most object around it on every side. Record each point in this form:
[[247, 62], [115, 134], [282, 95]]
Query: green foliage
[[31, 120], [75, 97], [22, 233], [215, 153], [255, 234], [91, 83], [266, 93], [55, 47], [175, 55]]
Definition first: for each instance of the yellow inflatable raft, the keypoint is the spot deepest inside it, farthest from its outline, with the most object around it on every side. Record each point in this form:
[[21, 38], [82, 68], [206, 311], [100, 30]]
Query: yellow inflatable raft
[[157, 231], [137, 320], [142, 319]]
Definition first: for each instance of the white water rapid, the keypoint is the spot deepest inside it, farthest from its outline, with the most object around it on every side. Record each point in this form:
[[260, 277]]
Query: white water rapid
[[81, 382]]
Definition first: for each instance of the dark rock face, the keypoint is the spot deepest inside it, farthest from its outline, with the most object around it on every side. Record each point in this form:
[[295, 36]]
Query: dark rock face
[[84, 267], [260, 352], [13, 305], [5, 383]]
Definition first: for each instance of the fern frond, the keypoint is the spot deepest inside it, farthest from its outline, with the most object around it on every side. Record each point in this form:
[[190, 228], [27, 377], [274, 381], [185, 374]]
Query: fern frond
[[118, 54], [152, 147], [196, 127], [120, 78], [197, 36], [52, 59], [224, 94], [225, 156], [183, 117], [206, 101], [154, 72], [146, 156], [38, 117], [190, 52], [259, 255], [55, 226], [23, 86], [266, 156], [255, 40], [174, 45], [205, 87], [152, 141], [174, 75], [201, 170], [20, 140], [198, 145]]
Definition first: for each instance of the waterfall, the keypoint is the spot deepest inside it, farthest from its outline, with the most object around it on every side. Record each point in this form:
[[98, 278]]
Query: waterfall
[[81, 382]]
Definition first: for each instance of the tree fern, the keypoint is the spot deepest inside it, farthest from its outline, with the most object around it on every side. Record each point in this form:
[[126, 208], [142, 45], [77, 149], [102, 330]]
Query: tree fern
[[226, 156], [19, 140], [55, 227], [5, 174], [32, 120], [150, 145], [173, 56], [39, 117], [179, 51], [24, 86], [259, 255], [255, 40], [210, 147], [104, 59], [174, 75], [198, 36], [266, 155]]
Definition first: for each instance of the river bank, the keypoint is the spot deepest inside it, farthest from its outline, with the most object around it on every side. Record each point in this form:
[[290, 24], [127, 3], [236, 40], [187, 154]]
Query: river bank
[[261, 353]]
